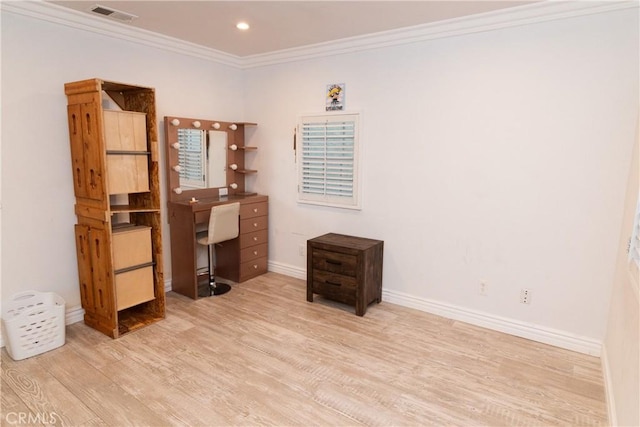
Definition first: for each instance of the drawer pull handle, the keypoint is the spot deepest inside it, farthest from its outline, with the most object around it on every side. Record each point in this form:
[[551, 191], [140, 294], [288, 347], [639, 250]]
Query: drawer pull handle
[[255, 210], [255, 239], [255, 266], [330, 261], [255, 252], [255, 224], [333, 283]]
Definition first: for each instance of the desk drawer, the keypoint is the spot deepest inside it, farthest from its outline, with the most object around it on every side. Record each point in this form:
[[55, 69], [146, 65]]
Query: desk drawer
[[253, 224], [335, 262], [202, 217], [250, 210], [254, 238], [253, 268], [253, 252]]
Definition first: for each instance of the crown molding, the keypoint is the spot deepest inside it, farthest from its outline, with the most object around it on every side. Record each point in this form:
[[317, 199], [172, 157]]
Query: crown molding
[[71, 18], [489, 21]]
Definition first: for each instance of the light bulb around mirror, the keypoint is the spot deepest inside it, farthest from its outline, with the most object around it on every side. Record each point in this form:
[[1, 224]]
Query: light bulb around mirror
[[216, 125], [177, 168], [175, 145], [175, 122], [233, 185], [233, 147], [196, 124], [233, 126], [177, 190], [233, 166]]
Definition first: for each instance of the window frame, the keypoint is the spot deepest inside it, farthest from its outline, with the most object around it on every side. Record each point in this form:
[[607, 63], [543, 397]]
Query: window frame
[[326, 192]]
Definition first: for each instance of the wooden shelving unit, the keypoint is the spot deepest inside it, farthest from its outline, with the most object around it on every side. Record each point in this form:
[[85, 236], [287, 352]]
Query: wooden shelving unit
[[114, 156]]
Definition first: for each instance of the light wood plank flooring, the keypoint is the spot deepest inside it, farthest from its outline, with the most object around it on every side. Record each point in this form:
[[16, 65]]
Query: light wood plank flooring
[[261, 355]]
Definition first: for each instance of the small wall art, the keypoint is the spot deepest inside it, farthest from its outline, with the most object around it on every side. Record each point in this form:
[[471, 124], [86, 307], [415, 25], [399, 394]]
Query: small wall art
[[335, 97]]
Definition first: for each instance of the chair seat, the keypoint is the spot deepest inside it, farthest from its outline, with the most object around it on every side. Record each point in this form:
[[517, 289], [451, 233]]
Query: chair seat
[[223, 226], [202, 238]]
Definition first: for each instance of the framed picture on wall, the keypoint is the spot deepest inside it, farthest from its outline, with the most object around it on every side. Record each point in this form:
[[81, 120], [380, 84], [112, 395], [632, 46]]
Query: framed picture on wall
[[335, 97]]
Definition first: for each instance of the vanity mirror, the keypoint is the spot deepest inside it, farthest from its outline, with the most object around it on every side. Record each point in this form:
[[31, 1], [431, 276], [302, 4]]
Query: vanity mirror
[[203, 157]]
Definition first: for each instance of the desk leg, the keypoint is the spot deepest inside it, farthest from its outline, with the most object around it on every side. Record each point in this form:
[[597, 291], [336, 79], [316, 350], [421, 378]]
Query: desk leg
[[183, 254]]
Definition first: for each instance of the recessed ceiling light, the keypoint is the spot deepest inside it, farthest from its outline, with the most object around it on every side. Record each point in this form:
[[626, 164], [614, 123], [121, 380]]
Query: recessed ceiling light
[[242, 26]]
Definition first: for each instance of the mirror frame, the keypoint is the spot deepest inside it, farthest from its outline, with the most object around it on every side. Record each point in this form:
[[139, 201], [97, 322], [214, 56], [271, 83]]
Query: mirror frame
[[234, 137]]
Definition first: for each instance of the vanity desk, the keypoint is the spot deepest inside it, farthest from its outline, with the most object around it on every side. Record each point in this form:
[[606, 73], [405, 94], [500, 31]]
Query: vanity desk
[[238, 260], [206, 167]]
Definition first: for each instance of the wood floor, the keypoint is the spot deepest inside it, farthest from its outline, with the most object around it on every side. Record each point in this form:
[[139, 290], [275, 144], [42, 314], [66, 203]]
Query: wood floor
[[261, 355]]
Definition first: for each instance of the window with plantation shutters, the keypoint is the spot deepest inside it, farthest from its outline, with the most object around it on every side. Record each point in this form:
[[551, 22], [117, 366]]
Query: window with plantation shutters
[[327, 157], [191, 157]]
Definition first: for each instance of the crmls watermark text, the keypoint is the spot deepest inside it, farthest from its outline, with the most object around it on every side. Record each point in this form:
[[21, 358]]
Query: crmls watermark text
[[18, 418]]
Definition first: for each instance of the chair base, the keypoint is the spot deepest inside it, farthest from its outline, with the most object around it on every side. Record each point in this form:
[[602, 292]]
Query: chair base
[[219, 289], [207, 289]]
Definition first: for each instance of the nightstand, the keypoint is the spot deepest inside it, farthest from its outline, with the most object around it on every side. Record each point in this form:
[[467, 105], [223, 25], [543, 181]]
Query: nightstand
[[346, 269]]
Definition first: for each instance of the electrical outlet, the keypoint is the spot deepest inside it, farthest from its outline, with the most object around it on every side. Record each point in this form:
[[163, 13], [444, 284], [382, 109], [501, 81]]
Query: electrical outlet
[[525, 296], [301, 250], [483, 289]]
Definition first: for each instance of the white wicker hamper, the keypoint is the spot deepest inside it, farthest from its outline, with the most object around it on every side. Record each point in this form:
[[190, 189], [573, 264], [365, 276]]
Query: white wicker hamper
[[32, 323]]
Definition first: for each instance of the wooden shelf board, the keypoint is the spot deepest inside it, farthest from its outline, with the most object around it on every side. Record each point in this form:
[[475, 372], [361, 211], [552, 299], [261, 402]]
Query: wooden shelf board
[[131, 320], [129, 208]]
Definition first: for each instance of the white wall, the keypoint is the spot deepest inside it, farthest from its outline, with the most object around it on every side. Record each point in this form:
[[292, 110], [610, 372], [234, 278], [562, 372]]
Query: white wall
[[38, 202], [500, 156], [621, 353]]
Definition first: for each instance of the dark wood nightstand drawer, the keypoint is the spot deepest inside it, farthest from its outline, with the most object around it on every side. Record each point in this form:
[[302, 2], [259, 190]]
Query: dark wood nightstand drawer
[[334, 286], [327, 280], [335, 262]]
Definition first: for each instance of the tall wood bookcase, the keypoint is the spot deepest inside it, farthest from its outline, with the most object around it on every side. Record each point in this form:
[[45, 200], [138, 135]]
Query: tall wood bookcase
[[115, 162]]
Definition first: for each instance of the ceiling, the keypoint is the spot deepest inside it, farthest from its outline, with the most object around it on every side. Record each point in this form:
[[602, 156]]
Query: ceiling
[[279, 25]]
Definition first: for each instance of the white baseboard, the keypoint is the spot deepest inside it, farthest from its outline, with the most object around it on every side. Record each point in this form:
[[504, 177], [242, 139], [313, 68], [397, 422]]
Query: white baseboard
[[287, 270], [497, 323], [608, 387], [73, 315], [510, 326], [530, 331]]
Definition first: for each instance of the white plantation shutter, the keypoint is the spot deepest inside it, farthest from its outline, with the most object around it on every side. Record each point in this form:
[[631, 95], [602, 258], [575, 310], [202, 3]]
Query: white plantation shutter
[[328, 160], [191, 157]]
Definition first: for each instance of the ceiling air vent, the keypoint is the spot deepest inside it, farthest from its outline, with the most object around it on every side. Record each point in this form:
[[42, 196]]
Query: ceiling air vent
[[118, 15]]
